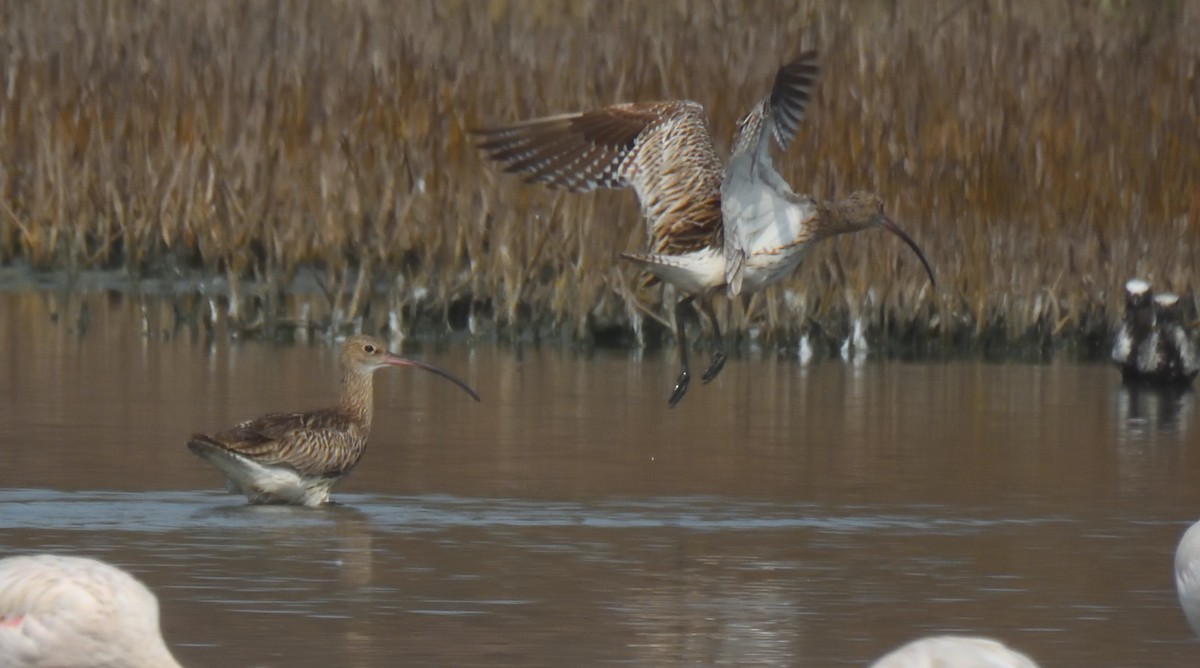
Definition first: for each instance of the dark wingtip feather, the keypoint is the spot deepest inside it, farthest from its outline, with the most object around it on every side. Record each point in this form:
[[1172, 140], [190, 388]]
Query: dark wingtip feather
[[791, 93]]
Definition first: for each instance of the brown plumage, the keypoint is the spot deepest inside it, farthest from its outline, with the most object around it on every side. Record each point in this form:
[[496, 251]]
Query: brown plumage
[[707, 226], [297, 457], [663, 150]]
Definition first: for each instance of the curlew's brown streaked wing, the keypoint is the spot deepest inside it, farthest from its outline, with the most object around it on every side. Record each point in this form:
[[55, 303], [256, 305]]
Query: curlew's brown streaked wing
[[663, 150], [317, 443]]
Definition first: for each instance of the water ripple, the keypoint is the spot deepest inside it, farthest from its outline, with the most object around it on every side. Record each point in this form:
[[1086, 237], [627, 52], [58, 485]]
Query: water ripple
[[175, 510]]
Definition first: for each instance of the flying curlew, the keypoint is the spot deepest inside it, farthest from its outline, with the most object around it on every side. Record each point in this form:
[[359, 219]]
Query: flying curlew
[[709, 227]]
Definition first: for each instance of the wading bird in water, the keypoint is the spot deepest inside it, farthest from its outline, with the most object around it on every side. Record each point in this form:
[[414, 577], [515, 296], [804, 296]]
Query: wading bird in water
[[709, 227], [1152, 346], [296, 458], [72, 611]]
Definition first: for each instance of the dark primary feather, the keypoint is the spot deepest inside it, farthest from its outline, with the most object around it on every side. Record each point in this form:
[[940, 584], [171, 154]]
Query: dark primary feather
[[790, 95]]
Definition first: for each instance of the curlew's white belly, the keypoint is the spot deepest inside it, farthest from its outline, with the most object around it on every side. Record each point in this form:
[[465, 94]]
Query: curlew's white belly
[[765, 222], [269, 484]]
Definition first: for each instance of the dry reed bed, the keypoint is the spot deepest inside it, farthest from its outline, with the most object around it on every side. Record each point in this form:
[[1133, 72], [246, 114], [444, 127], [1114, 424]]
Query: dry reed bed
[[1040, 155]]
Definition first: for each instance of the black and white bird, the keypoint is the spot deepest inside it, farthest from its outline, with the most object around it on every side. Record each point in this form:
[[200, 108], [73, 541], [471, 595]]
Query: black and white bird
[[1152, 346]]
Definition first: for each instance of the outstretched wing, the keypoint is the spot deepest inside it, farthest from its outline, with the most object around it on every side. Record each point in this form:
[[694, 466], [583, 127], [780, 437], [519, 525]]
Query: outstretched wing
[[663, 150], [754, 195], [318, 443]]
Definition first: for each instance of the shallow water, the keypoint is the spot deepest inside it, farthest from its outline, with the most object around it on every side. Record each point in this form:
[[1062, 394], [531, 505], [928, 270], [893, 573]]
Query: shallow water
[[784, 515]]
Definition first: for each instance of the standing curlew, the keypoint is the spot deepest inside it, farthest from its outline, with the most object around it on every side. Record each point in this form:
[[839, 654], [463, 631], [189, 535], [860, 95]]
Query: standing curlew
[[73, 611], [955, 652], [297, 458], [708, 227]]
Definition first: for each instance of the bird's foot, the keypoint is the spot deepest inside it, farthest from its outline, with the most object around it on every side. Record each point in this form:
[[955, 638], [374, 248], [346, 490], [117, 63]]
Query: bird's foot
[[714, 367], [681, 385]]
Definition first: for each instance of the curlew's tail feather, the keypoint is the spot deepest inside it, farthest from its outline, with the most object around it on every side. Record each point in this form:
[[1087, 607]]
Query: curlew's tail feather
[[694, 273]]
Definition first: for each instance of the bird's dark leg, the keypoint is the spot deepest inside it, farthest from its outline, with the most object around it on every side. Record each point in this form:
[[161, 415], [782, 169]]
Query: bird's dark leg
[[718, 358], [681, 383]]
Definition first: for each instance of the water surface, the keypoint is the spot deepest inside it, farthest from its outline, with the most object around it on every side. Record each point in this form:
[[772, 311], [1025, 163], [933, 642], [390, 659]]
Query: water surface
[[783, 515]]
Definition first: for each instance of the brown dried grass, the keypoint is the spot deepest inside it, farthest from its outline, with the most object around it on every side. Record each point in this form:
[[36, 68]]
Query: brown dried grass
[[1040, 154]]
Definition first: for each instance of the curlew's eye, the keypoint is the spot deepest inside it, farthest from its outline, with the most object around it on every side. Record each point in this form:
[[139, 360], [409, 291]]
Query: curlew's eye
[[369, 349]]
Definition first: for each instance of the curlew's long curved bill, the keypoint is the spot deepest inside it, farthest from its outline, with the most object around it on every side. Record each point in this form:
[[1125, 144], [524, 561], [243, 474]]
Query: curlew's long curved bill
[[892, 227], [404, 361]]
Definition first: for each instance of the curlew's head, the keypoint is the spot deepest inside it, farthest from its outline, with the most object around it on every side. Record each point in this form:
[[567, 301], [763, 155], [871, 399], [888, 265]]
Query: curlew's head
[[363, 354], [863, 210]]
